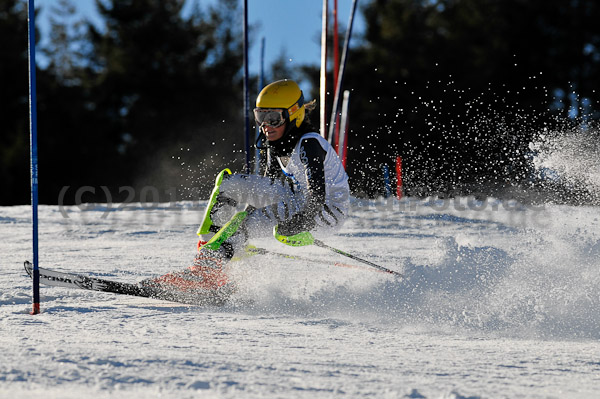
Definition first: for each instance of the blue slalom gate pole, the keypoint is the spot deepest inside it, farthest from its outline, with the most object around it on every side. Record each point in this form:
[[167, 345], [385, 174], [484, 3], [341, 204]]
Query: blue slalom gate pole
[[246, 89], [387, 185], [33, 155], [261, 84]]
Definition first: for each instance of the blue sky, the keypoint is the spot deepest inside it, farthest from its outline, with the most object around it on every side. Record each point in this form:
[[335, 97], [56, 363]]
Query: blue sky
[[291, 27]]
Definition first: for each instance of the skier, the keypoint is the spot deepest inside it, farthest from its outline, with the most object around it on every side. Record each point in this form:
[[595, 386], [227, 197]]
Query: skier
[[304, 189]]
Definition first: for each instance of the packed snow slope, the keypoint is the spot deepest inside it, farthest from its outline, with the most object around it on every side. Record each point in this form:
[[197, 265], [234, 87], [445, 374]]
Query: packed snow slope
[[499, 300]]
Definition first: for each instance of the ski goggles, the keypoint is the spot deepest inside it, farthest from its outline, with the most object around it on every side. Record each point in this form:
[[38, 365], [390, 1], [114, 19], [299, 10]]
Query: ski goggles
[[273, 117]]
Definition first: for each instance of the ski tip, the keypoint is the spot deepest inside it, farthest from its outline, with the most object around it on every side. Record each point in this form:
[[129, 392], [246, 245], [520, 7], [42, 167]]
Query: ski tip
[[28, 267]]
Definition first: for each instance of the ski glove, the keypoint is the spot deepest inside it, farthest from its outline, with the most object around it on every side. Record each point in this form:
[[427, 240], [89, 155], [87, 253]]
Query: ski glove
[[296, 240], [296, 224]]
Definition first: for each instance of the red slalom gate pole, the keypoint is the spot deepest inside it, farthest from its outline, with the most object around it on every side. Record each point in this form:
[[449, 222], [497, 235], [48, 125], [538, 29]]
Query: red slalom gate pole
[[399, 189]]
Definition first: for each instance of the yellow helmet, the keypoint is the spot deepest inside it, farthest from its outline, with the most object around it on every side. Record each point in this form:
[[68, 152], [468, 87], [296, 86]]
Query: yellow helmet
[[284, 94]]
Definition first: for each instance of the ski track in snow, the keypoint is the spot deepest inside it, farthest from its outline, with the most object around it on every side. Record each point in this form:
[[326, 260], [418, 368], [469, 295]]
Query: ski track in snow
[[500, 300]]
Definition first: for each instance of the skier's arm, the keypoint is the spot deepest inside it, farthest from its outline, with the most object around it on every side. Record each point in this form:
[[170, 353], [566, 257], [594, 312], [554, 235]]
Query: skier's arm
[[312, 155]]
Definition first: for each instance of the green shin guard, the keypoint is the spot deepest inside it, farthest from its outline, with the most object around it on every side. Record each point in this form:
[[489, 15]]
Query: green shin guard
[[229, 229], [206, 220]]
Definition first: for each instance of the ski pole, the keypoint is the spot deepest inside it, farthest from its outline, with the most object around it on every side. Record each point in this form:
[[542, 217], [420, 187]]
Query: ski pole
[[356, 258], [306, 238], [261, 251]]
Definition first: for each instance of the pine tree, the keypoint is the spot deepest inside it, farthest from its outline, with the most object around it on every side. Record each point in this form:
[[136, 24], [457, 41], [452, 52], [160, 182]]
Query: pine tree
[[14, 137]]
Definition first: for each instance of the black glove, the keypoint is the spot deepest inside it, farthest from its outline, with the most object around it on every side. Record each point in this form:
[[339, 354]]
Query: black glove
[[296, 224]]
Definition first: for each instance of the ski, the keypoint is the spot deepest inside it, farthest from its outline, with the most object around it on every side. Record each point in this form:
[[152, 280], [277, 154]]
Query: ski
[[71, 280], [198, 292]]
